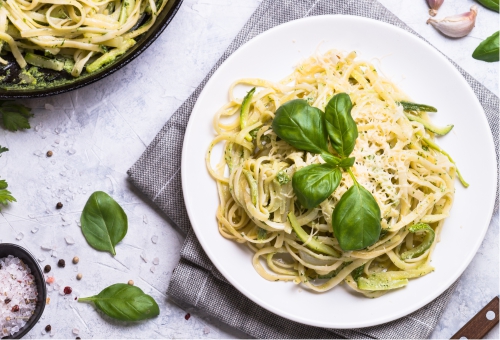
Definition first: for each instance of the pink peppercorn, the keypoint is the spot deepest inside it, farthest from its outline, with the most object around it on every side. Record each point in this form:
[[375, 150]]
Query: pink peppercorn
[[67, 290], [50, 279]]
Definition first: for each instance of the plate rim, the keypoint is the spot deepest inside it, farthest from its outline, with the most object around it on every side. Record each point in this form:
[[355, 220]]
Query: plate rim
[[380, 320]]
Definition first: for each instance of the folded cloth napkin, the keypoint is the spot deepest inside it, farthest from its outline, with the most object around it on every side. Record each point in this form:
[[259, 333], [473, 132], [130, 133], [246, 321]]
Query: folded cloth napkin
[[195, 280]]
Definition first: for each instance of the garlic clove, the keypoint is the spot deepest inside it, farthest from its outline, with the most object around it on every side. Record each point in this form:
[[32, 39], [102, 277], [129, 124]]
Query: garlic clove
[[456, 26], [434, 6]]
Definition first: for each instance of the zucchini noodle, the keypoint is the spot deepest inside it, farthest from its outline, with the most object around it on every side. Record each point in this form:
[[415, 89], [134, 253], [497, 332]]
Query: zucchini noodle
[[79, 33], [412, 182]]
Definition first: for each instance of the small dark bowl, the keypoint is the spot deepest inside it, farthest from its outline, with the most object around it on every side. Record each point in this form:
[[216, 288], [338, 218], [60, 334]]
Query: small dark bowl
[[7, 249], [60, 82]]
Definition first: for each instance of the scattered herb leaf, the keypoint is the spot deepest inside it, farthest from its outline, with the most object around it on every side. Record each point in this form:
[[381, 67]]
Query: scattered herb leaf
[[15, 116], [104, 223], [491, 4], [488, 50], [5, 195], [124, 302]]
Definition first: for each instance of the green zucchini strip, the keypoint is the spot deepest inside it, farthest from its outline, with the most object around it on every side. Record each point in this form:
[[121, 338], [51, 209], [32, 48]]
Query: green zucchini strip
[[312, 244], [426, 242], [434, 146], [41, 61], [124, 12], [429, 126], [253, 185], [380, 284], [408, 106], [245, 108], [110, 56], [391, 279]]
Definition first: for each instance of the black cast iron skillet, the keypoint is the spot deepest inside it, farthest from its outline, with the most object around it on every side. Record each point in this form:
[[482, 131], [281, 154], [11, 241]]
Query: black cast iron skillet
[[56, 82]]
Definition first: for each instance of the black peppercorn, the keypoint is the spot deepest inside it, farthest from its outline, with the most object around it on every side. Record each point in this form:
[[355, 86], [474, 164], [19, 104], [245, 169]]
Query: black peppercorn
[[59, 205], [47, 268], [78, 338], [48, 328], [61, 263], [49, 153], [7, 300]]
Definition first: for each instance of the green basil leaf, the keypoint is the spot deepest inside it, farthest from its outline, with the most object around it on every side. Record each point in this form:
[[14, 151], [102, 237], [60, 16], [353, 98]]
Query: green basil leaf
[[356, 219], [488, 50], [330, 159], [124, 302], [301, 126], [347, 162], [341, 127], [104, 223], [315, 183], [491, 4]]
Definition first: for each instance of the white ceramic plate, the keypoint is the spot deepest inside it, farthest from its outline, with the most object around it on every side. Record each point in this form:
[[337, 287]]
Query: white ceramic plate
[[427, 77]]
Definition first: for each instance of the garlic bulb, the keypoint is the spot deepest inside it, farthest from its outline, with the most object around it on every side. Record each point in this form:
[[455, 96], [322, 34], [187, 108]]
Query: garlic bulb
[[456, 26], [434, 6]]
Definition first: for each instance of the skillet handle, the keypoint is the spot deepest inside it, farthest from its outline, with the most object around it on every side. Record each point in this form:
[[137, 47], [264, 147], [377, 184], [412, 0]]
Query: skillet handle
[[481, 323]]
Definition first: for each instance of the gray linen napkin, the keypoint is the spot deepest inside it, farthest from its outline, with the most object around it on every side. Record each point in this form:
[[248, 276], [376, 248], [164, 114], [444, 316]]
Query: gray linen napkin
[[195, 280]]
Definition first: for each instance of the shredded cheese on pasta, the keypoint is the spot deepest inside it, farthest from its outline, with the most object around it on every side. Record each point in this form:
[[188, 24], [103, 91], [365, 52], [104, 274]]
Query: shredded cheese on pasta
[[410, 182]]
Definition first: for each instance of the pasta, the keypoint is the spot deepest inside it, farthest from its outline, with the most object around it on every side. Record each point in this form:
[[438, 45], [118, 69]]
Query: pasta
[[411, 179], [73, 34]]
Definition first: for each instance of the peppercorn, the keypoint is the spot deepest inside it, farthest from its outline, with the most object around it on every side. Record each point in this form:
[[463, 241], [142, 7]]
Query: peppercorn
[[67, 290], [61, 263], [15, 308], [47, 268], [49, 153], [79, 276], [77, 338], [76, 260], [59, 205], [130, 282], [48, 328], [7, 300]]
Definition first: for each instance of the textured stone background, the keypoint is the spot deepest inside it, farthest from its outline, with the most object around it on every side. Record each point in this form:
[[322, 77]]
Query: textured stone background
[[98, 132]]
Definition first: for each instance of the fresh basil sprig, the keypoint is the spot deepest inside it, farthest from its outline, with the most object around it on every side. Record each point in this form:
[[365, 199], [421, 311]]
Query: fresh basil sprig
[[315, 183], [302, 126], [340, 125], [356, 217], [124, 302], [104, 223], [488, 50]]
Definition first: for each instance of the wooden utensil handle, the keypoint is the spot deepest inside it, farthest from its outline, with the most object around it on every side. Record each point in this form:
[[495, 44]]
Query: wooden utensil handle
[[481, 323]]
